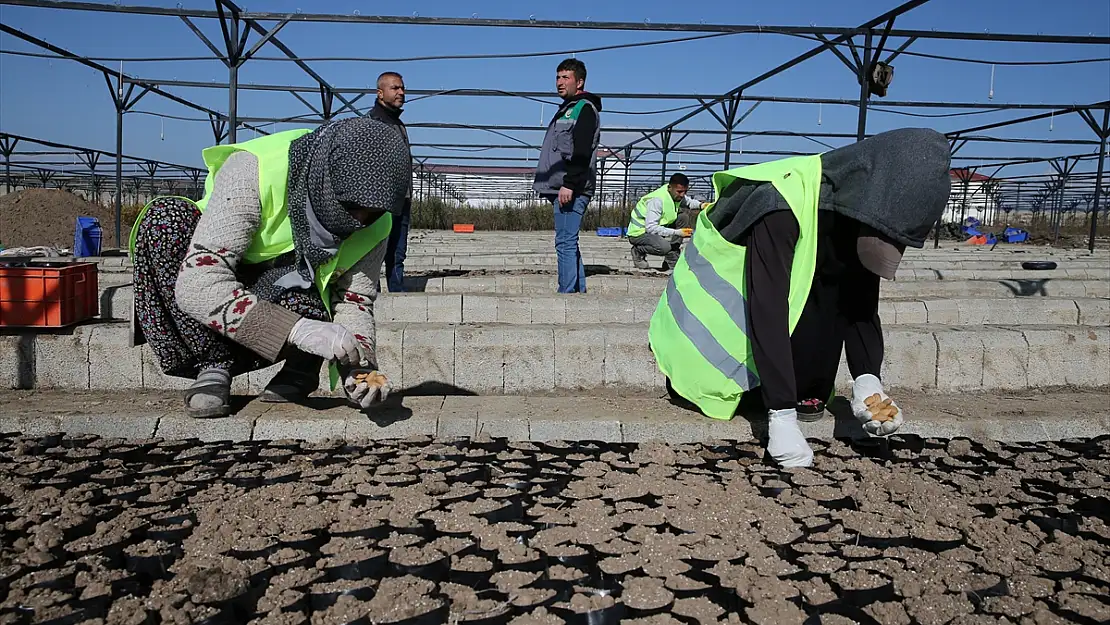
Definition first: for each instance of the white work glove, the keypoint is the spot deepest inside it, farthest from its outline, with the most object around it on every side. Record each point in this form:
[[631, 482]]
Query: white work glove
[[327, 340], [863, 387], [364, 393], [786, 443]]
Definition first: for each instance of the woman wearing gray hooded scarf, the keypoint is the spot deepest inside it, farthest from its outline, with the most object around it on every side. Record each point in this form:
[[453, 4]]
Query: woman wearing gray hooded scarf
[[783, 273], [279, 260]]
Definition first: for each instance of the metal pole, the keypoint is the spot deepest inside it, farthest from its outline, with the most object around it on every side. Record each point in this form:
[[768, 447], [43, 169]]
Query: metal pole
[[730, 117], [1098, 177], [627, 167], [864, 88], [119, 173], [232, 101]]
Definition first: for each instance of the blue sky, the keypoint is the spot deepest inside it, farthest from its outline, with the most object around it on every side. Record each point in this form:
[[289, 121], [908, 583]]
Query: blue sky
[[65, 102]]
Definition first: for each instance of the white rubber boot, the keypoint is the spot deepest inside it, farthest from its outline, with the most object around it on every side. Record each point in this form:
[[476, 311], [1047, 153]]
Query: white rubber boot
[[786, 444]]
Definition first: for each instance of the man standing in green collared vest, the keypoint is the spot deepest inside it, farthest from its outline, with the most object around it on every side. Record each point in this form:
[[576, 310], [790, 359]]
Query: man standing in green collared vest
[[657, 227], [782, 274], [279, 261]]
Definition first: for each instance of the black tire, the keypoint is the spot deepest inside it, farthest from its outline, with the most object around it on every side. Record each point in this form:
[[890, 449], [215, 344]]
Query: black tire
[[1038, 265]]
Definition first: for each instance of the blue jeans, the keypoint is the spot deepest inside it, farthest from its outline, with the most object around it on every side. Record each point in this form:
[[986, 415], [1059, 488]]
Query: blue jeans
[[568, 221], [395, 251]]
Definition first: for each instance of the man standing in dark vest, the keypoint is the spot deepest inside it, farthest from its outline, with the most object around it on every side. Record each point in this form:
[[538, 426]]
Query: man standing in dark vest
[[567, 168], [388, 109]]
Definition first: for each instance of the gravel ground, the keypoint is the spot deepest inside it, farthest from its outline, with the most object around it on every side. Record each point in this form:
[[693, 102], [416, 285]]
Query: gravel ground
[[904, 531]]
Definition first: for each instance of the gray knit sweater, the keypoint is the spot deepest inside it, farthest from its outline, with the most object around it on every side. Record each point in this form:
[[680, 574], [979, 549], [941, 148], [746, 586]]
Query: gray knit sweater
[[209, 291]]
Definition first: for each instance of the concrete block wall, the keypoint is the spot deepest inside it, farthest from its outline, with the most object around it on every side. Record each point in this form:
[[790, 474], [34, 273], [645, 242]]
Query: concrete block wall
[[499, 358]]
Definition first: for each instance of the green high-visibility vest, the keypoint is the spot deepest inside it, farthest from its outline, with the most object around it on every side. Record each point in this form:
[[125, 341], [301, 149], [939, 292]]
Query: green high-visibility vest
[[274, 236], [699, 331], [637, 222]]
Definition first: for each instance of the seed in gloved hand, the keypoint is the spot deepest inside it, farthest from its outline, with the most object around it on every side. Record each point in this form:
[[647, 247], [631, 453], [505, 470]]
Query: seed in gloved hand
[[372, 378], [880, 410]]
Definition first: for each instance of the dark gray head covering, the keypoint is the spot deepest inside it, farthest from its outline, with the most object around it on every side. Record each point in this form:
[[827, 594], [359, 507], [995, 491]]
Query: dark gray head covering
[[895, 183], [359, 162]]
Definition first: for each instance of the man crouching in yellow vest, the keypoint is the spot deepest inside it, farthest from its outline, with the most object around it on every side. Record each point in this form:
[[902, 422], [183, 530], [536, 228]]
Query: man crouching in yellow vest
[[279, 261], [783, 272]]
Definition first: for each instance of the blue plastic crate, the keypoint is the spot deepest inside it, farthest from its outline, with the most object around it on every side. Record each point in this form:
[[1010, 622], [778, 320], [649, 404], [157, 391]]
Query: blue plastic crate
[[86, 237]]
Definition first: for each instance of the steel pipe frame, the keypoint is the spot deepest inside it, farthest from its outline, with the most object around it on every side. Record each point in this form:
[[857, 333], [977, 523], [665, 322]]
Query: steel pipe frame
[[560, 24], [845, 35]]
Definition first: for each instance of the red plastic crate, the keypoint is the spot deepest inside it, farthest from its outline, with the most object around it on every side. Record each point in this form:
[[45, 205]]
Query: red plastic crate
[[48, 295], [463, 228]]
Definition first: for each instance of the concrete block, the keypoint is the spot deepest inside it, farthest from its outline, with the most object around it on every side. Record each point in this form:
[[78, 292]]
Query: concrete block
[[112, 425], [177, 427], [675, 433], [408, 307], [389, 340], [1060, 429], [538, 284], [112, 364], [116, 302], [1012, 430], [458, 416], [433, 285], [480, 358], [259, 378], [514, 310], [736, 429], [973, 312], [959, 359], [469, 284], [579, 356], [392, 423], [609, 285], [887, 314], [1005, 359], [549, 309], [30, 425], [943, 312], [653, 287], [445, 308], [911, 357], [1093, 312], [608, 430], [62, 360], [305, 426], [1095, 288], [509, 284], [514, 429], [617, 310], [529, 359], [582, 308], [428, 355], [1077, 356], [479, 308], [628, 360], [643, 307], [17, 361], [153, 377], [909, 313], [1058, 288]]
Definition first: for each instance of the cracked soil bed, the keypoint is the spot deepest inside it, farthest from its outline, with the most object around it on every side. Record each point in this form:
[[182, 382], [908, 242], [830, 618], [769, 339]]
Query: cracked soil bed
[[899, 532]]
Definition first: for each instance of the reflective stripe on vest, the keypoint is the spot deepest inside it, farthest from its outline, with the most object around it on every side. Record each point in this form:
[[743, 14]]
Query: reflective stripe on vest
[[637, 221], [699, 331]]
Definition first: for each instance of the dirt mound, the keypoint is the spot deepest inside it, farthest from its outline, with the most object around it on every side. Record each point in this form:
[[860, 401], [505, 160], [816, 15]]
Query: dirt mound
[[48, 217]]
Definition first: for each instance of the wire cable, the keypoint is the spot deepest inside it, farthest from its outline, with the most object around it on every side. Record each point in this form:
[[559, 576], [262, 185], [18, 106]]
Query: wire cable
[[353, 59]]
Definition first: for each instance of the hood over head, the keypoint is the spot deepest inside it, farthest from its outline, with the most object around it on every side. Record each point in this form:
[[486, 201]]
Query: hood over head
[[896, 184]]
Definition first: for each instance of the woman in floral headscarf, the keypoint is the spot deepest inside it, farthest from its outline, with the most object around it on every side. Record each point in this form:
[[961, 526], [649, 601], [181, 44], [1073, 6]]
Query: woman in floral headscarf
[[279, 261]]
